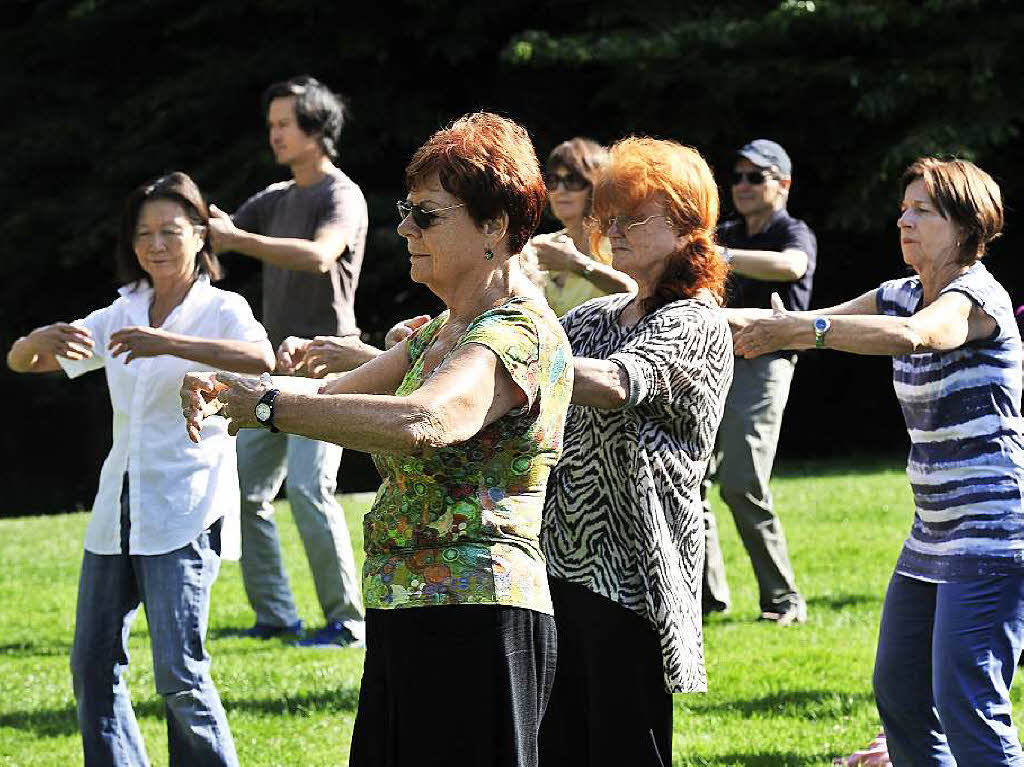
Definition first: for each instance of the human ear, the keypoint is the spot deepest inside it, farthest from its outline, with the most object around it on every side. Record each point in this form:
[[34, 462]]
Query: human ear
[[496, 227]]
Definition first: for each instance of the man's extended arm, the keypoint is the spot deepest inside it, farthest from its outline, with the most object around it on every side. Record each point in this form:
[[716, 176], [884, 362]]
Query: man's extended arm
[[316, 255]]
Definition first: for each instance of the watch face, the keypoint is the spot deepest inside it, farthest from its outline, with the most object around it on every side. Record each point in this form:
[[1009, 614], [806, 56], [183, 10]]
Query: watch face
[[263, 412], [821, 324]]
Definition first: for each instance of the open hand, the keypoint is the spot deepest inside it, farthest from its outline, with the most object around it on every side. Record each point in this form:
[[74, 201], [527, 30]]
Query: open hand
[[402, 330], [62, 339], [139, 341], [755, 336], [291, 354], [199, 400], [332, 354]]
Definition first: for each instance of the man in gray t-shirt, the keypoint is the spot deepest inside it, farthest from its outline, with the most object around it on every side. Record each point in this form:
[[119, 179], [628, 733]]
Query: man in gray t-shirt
[[309, 233]]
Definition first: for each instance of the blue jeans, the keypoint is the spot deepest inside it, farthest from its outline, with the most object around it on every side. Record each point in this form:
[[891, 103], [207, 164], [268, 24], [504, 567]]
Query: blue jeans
[[175, 589], [946, 657]]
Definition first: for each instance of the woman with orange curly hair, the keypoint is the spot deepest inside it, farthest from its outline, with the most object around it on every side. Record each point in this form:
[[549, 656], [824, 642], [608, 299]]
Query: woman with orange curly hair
[[623, 531]]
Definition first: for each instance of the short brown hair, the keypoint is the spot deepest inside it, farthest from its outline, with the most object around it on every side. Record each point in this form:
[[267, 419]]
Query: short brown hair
[[176, 187], [964, 194], [488, 162], [642, 169], [581, 155]]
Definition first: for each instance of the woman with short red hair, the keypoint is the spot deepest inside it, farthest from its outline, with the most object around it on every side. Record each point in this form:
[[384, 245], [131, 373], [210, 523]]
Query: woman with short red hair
[[465, 421], [623, 530]]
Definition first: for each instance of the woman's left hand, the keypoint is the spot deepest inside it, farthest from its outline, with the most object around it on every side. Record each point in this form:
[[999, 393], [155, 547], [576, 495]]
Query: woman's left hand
[[240, 396], [138, 342], [752, 337]]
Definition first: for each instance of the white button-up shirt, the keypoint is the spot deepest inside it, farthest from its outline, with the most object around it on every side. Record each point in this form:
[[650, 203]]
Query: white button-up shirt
[[176, 489]]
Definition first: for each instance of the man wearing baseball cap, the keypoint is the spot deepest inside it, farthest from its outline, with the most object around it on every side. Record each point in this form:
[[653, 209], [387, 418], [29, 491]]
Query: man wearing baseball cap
[[768, 251]]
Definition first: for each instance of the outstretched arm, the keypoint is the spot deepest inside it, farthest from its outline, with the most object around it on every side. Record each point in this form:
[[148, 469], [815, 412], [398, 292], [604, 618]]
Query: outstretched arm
[[224, 354], [947, 323], [316, 255], [599, 383], [38, 351], [785, 265], [468, 392]]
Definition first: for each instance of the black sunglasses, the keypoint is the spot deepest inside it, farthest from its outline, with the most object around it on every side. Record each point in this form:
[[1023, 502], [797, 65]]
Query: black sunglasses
[[573, 182], [755, 177], [422, 217]]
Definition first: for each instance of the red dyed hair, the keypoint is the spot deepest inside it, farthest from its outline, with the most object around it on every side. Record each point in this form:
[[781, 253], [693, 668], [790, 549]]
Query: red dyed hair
[[488, 162], [676, 176]]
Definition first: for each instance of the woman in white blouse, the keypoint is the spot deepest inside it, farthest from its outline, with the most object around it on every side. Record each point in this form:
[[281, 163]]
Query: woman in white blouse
[[166, 510]]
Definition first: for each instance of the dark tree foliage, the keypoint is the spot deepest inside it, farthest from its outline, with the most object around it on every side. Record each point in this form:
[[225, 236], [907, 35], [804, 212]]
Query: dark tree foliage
[[103, 95]]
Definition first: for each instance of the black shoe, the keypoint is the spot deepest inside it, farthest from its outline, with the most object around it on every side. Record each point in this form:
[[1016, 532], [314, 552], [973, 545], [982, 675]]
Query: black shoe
[[709, 606], [265, 631]]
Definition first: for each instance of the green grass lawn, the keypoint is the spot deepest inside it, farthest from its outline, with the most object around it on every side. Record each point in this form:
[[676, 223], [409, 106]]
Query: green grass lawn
[[793, 696]]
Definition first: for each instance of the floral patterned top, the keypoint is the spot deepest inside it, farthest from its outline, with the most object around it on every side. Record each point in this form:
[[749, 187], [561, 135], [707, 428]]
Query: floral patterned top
[[460, 524]]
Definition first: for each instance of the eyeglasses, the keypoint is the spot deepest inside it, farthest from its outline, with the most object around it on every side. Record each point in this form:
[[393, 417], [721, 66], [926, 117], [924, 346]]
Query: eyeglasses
[[573, 182], [754, 177], [625, 223], [422, 217]]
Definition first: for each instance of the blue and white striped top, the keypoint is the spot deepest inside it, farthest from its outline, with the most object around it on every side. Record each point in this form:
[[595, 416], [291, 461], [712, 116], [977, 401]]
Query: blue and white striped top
[[966, 465]]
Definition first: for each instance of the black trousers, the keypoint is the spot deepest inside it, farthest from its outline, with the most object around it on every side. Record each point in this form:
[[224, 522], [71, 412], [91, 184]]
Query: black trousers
[[609, 705], [453, 685]]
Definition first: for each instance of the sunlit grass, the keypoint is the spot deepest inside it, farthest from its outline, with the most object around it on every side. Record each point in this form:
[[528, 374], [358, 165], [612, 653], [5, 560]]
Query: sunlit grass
[[793, 696]]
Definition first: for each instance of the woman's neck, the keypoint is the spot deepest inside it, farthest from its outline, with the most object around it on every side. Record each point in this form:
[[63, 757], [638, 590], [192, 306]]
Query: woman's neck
[[938, 276], [634, 311], [166, 296], [574, 228], [471, 298]]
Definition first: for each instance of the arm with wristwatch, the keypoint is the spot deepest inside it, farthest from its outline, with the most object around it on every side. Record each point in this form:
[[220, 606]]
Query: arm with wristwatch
[[558, 253], [857, 327]]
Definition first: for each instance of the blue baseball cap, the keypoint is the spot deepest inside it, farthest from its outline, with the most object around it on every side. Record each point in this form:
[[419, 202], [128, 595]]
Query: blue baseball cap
[[765, 153]]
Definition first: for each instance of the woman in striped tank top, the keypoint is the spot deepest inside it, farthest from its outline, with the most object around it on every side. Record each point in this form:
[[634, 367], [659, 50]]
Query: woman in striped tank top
[[953, 621]]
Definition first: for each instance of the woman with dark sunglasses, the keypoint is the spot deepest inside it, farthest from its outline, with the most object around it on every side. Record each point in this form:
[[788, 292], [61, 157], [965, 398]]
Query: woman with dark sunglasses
[[572, 268], [465, 421]]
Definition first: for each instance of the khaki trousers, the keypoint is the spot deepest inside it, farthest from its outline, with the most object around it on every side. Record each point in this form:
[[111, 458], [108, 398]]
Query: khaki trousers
[[742, 466]]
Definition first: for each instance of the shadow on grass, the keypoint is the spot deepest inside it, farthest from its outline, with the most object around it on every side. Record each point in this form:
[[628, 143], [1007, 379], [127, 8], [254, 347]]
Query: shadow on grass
[[234, 632], [28, 649], [832, 467], [806, 704], [842, 601], [830, 602], [760, 759], [53, 722]]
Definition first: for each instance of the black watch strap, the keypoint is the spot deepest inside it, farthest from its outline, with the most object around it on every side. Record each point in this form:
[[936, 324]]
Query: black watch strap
[[268, 399]]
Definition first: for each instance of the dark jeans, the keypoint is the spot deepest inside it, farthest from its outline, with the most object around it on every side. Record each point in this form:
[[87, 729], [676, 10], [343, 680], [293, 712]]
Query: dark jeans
[[946, 657], [609, 706], [453, 685]]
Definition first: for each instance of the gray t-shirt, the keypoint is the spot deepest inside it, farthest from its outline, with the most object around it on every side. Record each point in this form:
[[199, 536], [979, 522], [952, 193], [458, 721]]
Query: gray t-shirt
[[303, 303]]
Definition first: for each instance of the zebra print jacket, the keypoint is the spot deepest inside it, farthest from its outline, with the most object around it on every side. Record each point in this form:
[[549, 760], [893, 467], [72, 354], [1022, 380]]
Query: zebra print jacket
[[623, 515]]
